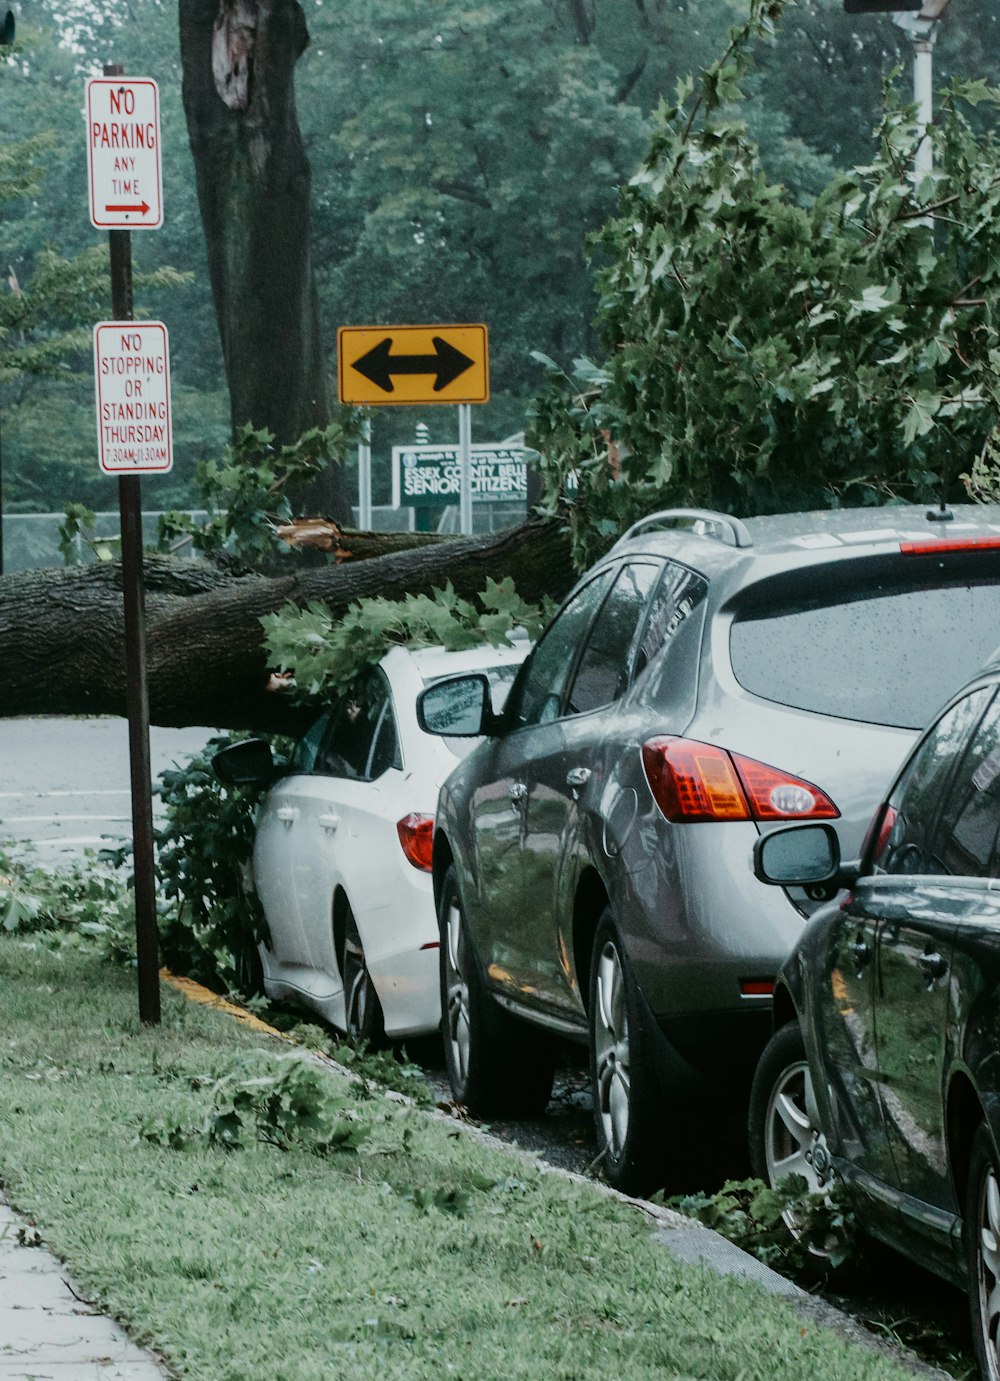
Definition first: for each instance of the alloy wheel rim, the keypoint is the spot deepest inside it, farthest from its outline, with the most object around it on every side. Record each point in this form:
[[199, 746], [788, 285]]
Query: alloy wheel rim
[[457, 991], [358, 986], [612, 1062], [793, 1135], [988, 1283]]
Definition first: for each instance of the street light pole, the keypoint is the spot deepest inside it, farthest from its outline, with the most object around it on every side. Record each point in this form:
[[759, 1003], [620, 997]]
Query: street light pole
[[921, 29]]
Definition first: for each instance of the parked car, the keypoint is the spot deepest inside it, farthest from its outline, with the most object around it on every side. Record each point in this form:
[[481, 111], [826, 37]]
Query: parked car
[[342, 853], [884, 1069], [704, 682]]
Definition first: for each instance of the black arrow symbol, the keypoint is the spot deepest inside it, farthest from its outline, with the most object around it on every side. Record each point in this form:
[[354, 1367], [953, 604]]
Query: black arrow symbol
[[379, 365]]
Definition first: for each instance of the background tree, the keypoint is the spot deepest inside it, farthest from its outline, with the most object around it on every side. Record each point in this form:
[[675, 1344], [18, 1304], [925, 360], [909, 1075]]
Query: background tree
[[458, 158], [254, 192]]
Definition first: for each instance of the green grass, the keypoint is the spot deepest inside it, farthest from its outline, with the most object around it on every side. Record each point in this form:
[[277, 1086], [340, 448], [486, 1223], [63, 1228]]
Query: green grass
[[421, 1254]]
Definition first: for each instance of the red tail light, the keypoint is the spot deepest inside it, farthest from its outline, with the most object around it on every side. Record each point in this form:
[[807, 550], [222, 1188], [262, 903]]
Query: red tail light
[[416, 834], [697, 781]]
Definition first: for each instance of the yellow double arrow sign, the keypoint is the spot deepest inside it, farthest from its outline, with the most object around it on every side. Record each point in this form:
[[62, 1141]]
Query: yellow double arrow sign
[[413, 364]]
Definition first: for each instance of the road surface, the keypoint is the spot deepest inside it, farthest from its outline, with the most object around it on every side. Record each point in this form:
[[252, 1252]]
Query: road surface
[[65, 783]]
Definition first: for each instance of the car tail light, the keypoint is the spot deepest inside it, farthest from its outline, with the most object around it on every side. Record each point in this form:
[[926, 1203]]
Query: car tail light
[[416, 834], [698, 781], [757, 987], [884, 824], [932, 548]]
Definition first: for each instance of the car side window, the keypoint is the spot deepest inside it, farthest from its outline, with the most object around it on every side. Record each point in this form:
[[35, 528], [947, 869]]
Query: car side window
[[677, 596], [361, 742], [907, 844], [385, 748], [538, 692], [303, 757], [966, 843], [602, 675]]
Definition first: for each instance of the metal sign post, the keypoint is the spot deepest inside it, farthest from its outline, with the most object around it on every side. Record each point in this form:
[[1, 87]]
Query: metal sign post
[[365, 477], [465, 463], [137, 695]]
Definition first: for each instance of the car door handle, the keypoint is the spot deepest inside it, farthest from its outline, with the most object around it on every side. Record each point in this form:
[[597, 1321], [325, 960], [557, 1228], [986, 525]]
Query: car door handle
[[329, 822], [862, 952], [288, 813], [933, 965], [517, 791], [578, 776]]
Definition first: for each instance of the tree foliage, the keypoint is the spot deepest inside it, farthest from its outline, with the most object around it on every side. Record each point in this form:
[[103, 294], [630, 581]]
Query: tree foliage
[[765, 355]]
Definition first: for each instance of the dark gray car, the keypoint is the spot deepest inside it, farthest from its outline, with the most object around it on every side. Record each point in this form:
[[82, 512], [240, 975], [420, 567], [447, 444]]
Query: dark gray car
[[884, 1069], [705, 681]]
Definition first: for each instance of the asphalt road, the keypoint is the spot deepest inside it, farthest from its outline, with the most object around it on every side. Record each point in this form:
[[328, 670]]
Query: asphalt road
[[65, 783]]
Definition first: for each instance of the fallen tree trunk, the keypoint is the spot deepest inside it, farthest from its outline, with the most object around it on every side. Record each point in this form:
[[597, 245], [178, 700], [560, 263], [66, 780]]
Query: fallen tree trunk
[[63, 641]]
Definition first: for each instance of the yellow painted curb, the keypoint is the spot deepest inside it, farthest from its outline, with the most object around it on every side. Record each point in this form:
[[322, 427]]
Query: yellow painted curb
[[194, 992]]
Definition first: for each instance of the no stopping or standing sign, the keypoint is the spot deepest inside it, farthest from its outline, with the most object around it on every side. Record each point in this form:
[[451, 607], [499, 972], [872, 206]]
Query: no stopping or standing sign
[[132, 382]]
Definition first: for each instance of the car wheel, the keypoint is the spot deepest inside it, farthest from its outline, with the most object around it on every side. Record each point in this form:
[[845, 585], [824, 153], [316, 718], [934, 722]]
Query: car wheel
[[497, 1065], [784, 1131], [363, 1018], [982, 1241], [624, 1080]]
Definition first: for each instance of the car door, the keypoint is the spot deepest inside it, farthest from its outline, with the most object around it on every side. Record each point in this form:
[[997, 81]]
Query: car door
[[342, 830], [274, 851], [565, 776], [906, 899], [508, 929], [845, 1037]]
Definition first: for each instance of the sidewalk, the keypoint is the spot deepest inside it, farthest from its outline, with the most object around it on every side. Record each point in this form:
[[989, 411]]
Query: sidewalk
[[47, 1329]]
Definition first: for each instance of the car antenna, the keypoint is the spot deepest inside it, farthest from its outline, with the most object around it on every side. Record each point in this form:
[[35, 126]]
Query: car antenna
[[944, 513]]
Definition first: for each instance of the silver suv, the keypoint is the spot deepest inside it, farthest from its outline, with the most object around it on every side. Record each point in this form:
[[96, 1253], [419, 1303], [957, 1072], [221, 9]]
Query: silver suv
[[706, 681]]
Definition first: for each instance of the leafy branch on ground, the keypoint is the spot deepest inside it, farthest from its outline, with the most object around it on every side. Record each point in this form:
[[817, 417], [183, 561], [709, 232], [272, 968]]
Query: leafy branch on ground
[[86, 901], [375, 1070], [760, 1220], [282, 1101]]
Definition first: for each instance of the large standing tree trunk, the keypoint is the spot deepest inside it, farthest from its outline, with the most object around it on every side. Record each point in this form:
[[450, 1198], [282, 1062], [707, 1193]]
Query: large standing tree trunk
[[252, 175], [63, 638]]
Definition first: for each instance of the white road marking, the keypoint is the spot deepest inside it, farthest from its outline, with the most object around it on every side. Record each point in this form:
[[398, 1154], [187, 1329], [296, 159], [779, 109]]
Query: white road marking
[[44, 795], [42, 819]]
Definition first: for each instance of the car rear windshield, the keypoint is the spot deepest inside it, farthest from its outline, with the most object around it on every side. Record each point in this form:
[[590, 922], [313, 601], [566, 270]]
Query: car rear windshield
[[890, 653]]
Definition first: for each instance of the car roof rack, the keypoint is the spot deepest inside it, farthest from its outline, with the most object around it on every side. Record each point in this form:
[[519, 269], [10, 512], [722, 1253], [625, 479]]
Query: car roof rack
[[700, 521]]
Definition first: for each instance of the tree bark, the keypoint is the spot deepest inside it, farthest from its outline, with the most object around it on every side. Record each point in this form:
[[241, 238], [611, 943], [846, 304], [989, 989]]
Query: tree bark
[[62, 631], [252, 175]]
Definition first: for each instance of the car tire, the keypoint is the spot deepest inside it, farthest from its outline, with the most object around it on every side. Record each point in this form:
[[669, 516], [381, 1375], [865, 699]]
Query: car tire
[[784, 1133], [628, 1106], [497, 1065], [363, 1019], [982, 1245], [249, 969]]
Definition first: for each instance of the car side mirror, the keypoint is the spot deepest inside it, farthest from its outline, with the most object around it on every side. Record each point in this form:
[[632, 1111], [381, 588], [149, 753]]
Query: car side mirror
[[803, 856], [458, 707], [247, 763]]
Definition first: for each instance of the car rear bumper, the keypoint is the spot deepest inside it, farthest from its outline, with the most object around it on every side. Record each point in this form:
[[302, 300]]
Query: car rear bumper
[[407, 983]]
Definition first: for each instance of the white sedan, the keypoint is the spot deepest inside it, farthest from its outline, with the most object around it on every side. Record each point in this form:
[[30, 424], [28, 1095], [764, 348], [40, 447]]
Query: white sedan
[[342, 855]]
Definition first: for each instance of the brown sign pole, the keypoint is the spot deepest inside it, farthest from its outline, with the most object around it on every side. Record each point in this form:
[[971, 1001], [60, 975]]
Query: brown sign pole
[[137, 695]]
